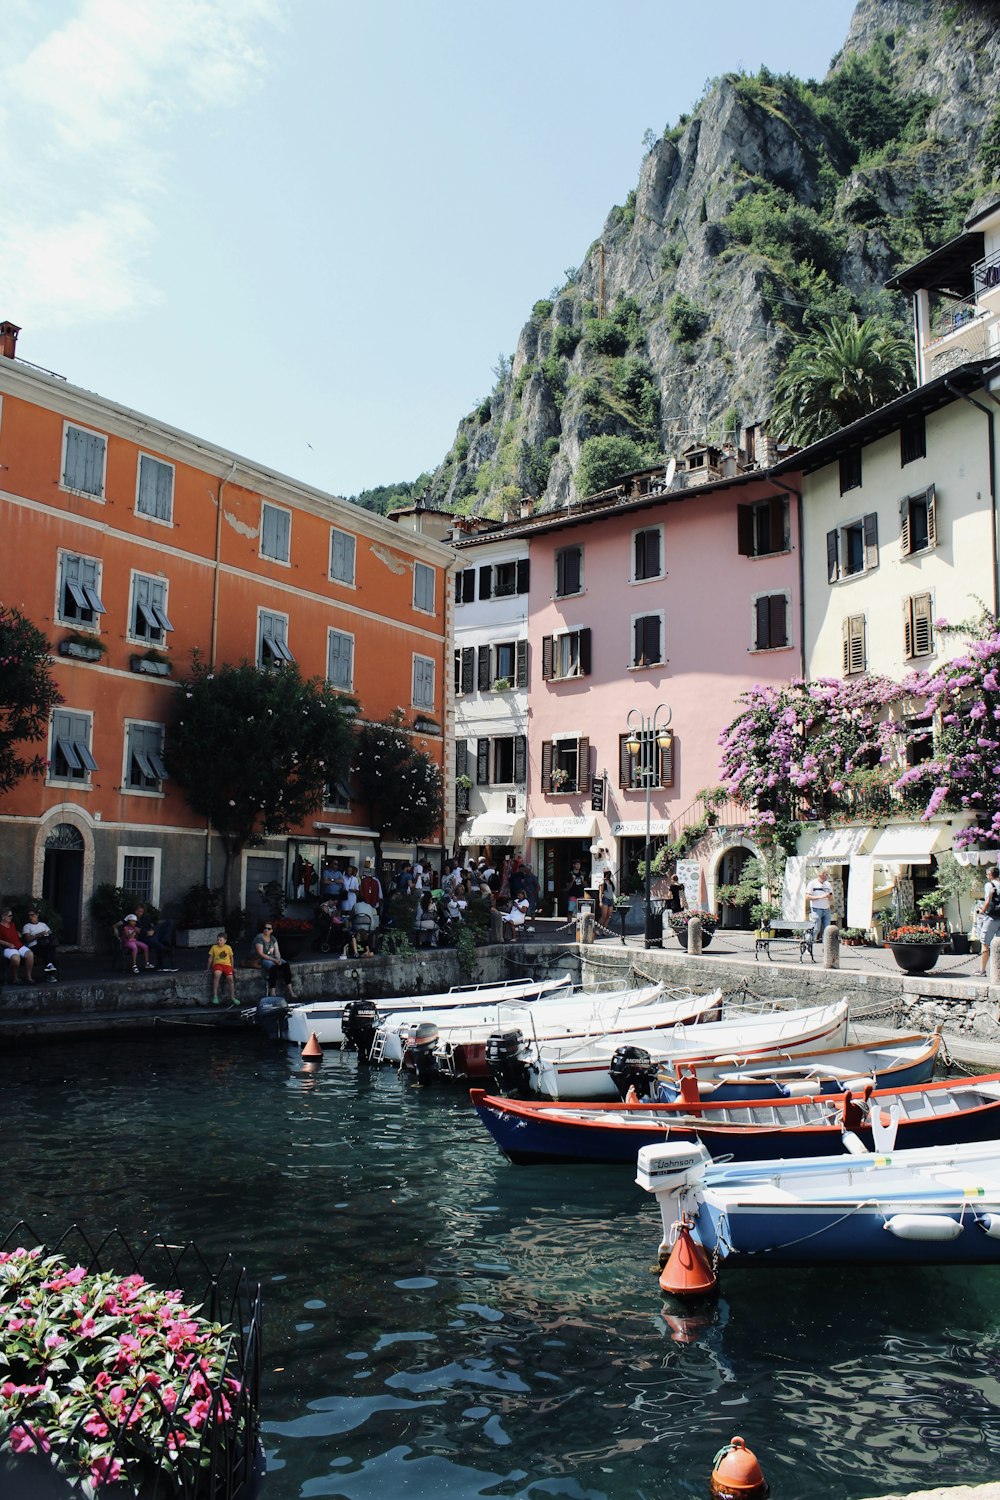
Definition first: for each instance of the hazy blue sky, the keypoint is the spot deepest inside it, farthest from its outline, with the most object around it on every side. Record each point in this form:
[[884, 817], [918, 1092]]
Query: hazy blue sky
[[304, 229]]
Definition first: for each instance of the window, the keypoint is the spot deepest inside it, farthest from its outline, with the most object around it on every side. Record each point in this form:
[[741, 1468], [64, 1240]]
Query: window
[[569, 572], [566, 655], [653, 757], [79, 590], [465, 586], [423, 588], [501, 761], [502, 580], [762, 528], [272, 639], [155, 489], [918, 522], [912, 439], [918, 629], [853, 548], [647, 640], [340, 660], [855, 654], [144, 768], [506, 661], [147, 618], [647, 554], [342, 556], [423, 681], [770, 622], [139, 876], [69, 754], [337, 796], [84, 460], [565, 764], [275, 533], [850, 470], [918, 741]]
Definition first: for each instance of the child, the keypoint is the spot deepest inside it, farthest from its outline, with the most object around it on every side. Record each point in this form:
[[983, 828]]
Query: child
[[220, 961]]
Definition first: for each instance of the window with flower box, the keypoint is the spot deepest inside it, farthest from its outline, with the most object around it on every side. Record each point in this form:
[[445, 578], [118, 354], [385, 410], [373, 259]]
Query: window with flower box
[[653, 757], [566, 655], [565, 764], [503, 662], [423, 681]]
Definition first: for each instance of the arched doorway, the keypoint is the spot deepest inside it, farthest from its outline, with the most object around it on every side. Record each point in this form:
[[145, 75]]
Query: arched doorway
[[62, 878], [729, 872]]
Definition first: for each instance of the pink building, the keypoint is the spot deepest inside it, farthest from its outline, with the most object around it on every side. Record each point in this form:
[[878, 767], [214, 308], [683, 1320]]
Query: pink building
[[647, 599]]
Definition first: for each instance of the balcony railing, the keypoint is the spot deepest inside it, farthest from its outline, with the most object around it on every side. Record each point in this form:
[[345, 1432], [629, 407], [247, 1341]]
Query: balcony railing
[[986, 274]]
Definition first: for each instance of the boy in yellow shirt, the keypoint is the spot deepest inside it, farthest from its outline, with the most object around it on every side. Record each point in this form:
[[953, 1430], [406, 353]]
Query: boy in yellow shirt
[[221, 962]]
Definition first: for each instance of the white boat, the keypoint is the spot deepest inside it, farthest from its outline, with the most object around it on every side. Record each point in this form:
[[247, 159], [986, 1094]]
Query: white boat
[[324, 1017], [938, 1205], [581, 1070], [462, 1048]]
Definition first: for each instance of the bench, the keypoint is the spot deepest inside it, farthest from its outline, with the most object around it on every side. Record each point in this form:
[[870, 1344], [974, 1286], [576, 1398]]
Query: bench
[[787, 935]]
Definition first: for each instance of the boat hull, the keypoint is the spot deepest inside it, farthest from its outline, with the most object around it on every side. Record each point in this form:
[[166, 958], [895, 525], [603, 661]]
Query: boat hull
[[892, 1063], [324, 1017], [842, 1233]]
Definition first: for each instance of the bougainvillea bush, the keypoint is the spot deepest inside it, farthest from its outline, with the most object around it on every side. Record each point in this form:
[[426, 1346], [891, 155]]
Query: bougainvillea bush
[[107, 1378]]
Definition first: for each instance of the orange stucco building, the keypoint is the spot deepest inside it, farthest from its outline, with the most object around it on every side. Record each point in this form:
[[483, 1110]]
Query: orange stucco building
[[132, 545]]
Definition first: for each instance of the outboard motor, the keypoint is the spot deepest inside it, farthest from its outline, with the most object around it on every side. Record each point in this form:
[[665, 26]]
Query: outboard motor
[[359, 1024], [423, 1040], [272, 1017], [505, 1062], [631, 1067]]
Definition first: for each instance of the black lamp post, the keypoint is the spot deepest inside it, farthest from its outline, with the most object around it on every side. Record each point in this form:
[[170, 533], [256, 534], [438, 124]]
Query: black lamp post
[[650, 733]]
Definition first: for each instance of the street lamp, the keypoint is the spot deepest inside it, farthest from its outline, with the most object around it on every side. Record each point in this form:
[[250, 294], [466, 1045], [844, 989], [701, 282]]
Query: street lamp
[[648, 731]]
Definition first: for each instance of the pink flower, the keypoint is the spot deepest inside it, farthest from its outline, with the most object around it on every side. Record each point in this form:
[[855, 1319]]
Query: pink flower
[[96, 1426], [105, 1471]]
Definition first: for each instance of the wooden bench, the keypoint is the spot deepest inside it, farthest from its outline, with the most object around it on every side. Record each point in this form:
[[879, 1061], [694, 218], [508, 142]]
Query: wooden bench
[[787, 935]]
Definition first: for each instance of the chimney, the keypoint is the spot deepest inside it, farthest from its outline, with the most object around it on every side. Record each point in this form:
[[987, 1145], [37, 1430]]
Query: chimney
[[8, 339]]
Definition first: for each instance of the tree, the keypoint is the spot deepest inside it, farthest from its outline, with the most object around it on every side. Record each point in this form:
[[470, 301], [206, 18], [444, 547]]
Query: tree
[[253, 748], [28, 695], [843, 371], [400, 785], [603, 461]]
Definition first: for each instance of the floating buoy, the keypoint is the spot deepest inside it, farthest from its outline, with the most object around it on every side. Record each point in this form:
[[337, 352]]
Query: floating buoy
[[687, 1272], [989, 1224], [312, 1048], [736, 1474]]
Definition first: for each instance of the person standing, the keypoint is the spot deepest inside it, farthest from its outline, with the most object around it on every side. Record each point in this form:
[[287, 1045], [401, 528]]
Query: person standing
[[676, 894], [990, 913], [607, 898], [574, 888], [819, 893]]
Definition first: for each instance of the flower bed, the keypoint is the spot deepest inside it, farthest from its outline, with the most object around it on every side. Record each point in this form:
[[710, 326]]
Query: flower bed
[[292, 925], [916, 935], [124, 1388]]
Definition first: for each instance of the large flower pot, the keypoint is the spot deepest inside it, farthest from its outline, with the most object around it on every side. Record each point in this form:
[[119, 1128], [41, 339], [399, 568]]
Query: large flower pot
[[292, 944], [707, 934], [915, 958]]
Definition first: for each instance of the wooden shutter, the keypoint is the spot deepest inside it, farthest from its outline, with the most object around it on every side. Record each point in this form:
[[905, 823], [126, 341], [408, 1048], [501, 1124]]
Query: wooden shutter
[[521, 664], [931, 516], [744, 530], [653, 553], [520, 759], [468, 585], [482, 762], [483, 676], [667, 762], [762, 638], [585, 652], [485, 582], [546, 765], [639, 641], [923, 635], [548, 652], [468, 668], [854, 644], [582, 764], [870, 532], [904, 526], [832, 557], [523, 575], [908, 627], [625, 777], [779, 524], [777, 628]]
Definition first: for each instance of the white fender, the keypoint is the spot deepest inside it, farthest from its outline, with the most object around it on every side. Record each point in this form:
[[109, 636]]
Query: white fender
[[923, 1227], [990, 1224]]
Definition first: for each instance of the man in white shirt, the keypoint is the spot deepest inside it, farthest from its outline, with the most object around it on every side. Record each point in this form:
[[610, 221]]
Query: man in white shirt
[[819, 893]]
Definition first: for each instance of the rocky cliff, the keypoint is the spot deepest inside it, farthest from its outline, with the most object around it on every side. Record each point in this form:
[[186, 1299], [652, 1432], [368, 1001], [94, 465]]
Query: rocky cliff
[[775, 203]]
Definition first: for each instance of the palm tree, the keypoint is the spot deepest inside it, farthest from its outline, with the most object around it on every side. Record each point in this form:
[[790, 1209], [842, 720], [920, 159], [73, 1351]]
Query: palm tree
[[845, 370]]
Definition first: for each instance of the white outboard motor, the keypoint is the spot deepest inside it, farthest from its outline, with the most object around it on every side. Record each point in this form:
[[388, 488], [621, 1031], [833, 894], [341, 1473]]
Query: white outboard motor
[[670, 1172]]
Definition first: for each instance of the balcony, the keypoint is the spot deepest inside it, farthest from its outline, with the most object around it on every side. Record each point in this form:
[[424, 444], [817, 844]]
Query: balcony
[[965, 336]]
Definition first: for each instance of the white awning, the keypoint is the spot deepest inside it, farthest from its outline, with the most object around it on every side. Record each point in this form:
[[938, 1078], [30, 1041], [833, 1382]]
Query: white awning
[[909, 843], [861, 892], [793, 889], [562, 828], [658, 828], [835, 846], [493, 828]]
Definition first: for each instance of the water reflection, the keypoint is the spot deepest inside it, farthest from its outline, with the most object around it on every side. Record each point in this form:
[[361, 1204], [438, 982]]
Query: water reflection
[[441, 1323]]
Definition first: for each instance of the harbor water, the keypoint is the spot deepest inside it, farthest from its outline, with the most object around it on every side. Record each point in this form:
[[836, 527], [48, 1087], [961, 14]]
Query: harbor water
[[441, 1324]]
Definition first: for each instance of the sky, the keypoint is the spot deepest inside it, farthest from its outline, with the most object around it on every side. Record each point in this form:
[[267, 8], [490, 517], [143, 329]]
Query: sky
[[305, 230]]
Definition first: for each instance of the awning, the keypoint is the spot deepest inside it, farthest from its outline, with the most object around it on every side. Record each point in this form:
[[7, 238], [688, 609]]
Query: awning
[[658, 828], [861, 892], [793, 889], [909, 843], [562, 828], [493, 828], [835, 846]]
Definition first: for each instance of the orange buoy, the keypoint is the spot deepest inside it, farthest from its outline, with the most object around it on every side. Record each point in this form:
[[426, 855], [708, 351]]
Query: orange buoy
[[312, 1048], [736, 1474], [687, 1272]]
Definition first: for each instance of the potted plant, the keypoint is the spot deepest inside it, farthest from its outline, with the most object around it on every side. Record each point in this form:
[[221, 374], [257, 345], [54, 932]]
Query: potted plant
[[953, 881], [915, 947], [199, 921], [679, 925], [82, 645], [854, 937], [501, 684], [559, 779], [152, 662]]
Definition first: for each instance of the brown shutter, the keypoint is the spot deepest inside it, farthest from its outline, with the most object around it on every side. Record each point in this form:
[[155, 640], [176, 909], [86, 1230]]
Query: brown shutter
[[582, 764], [832, 557], [870, 526], [904, 526], [744, 530], [779, 524], [547, 655], [547, 765], [931, 516], [667, 762], [908, 627], [763, 637], [624, 762], [585, 652], [777, 628], [923, 636], [521, 664]]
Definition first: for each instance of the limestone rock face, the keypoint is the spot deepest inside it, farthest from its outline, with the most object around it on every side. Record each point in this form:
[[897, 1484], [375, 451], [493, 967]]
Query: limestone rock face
[[771, 206]]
